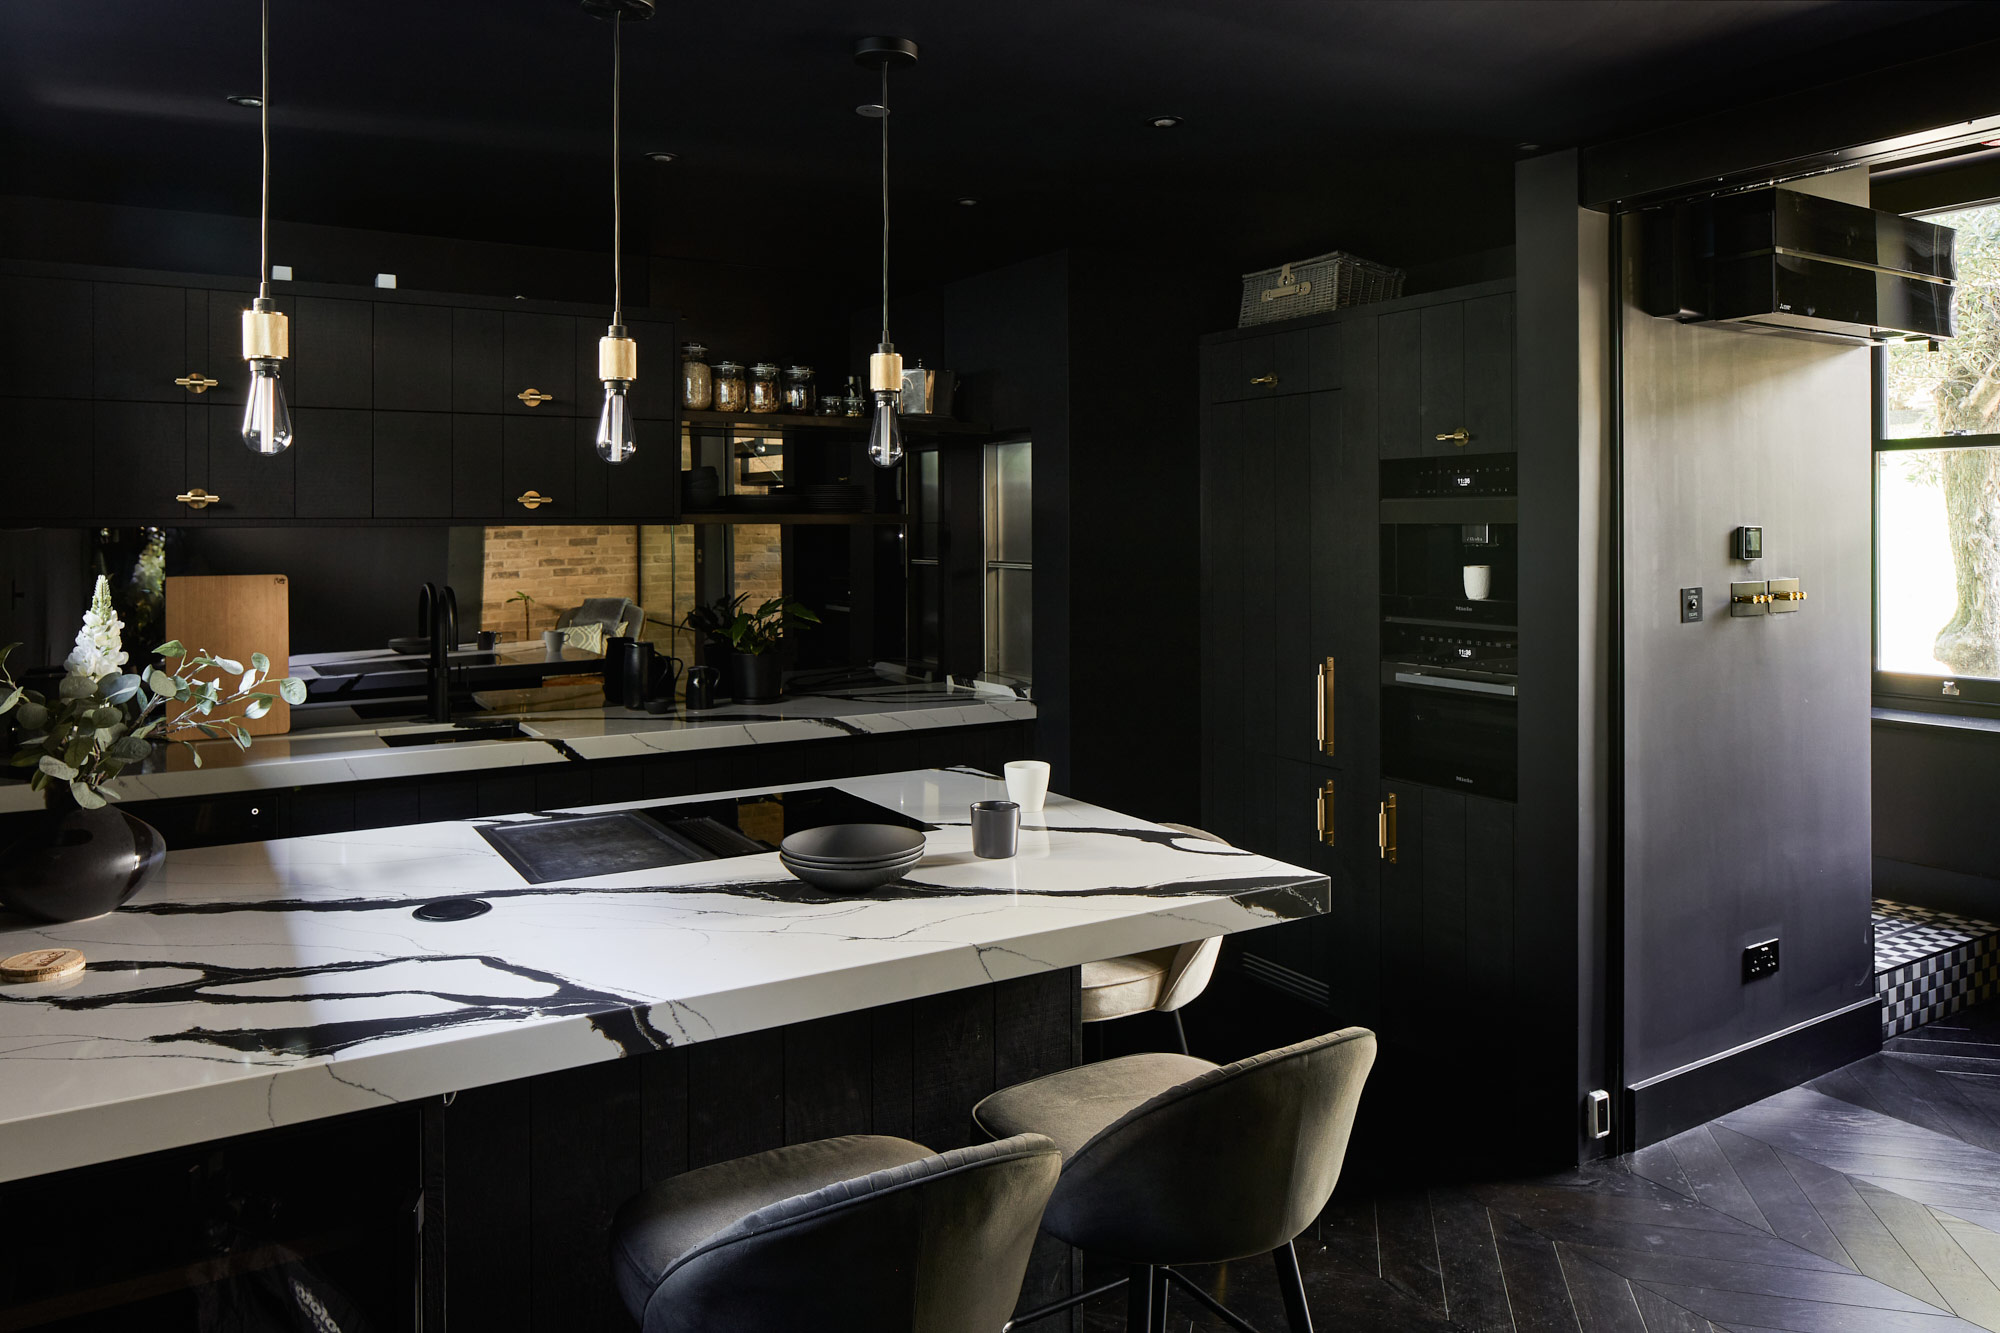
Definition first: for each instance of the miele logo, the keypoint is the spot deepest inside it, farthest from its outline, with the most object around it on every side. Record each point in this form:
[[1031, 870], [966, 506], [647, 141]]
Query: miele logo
[[1466, 781]]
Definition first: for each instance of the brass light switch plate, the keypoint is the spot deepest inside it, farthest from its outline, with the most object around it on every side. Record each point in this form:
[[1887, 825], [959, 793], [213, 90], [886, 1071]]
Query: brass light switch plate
[[1786, 596], [1750, 599]]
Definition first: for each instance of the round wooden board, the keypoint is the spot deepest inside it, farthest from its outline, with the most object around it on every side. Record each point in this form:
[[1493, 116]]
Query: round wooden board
[[41, 965]]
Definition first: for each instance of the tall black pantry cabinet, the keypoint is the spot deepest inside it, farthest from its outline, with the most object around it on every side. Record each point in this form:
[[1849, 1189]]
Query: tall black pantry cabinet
[[1296, 420]]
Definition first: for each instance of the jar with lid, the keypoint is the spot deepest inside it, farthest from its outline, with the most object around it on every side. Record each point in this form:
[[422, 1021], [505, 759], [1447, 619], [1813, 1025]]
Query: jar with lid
[[697, 383], [799, 389], [764, 396], [729, 393], [855, 403]]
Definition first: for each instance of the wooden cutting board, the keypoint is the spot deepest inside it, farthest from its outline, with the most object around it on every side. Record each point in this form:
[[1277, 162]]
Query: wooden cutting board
[[235, 615]]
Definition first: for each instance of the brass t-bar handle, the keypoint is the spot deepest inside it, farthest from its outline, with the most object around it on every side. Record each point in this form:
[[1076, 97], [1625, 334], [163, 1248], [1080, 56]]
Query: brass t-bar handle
[[1460, 437], [197, 498], [1264, 379]]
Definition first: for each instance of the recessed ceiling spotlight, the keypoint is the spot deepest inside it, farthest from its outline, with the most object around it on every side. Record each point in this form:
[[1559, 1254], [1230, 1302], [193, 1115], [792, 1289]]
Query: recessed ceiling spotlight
[[1164, 122], [965, 201], [661, 157], [1527, 148], [245, 99]]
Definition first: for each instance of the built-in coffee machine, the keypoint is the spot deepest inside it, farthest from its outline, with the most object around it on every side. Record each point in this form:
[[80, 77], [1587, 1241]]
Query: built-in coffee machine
[[1450, 646]]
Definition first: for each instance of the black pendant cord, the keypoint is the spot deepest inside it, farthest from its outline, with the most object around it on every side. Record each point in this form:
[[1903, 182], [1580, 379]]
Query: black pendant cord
[[885, 203], [264, 130], [617, 199]]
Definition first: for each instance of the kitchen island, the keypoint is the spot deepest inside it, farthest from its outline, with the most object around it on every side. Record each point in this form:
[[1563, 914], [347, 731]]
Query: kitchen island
[[596, 1028]]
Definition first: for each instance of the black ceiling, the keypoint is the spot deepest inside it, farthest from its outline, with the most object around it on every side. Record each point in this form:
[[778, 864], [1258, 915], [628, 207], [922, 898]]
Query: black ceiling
[[1387, 128]]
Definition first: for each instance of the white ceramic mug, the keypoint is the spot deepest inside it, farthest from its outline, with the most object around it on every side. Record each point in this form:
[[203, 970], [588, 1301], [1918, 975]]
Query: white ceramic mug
[[1028, 784], [1479, 582]]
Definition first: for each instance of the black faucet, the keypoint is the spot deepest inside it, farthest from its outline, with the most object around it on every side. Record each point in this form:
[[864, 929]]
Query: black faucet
[[437, 616]]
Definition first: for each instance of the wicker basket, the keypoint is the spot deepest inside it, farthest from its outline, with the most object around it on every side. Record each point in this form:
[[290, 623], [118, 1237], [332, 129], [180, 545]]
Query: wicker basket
[[1315, 286]]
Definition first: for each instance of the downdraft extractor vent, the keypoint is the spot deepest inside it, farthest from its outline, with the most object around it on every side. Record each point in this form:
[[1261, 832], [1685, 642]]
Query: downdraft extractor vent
[[1779, 261]]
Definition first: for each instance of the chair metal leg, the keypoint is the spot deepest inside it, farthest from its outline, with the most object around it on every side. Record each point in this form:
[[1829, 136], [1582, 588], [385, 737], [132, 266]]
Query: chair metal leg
[[1180, 1030], [1221, 1311], [1142, 1299], [1292, 1286]]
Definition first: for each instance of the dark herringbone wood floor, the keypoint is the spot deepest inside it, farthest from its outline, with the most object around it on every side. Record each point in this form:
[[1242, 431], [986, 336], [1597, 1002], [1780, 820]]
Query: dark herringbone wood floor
[[1867, 1201]]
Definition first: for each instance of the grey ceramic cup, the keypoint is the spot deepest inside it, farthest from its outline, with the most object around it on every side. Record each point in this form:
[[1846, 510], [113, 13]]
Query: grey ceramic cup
[[996, 828]]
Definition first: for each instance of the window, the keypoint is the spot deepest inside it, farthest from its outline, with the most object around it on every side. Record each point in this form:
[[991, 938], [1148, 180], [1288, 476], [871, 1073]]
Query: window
[[1937, 492], [1010, 560]]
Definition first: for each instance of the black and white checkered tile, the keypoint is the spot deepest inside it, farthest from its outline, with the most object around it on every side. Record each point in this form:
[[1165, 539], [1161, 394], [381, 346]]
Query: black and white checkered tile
[[1929, 964]]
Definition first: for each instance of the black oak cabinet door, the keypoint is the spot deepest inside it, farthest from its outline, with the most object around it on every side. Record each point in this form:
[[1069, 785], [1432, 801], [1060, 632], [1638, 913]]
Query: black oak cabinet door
[[1443, 375], [1489, 374], [595, 479], [333, 353], [1271, 364], [412, 348], [476, 474], [476, 372], [412, 475], [1341, 657], [50, 467], [140, 342], [646, 486], [251, 485], [538, 455], [1293, 683], [46, 340], [538, 354], [1399, 384], [333, 461], [1281, 820], [139, 459], [1326, 363]]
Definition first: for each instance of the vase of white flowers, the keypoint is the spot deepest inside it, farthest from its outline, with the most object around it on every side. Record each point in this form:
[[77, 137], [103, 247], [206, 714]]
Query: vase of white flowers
[[79, 857]]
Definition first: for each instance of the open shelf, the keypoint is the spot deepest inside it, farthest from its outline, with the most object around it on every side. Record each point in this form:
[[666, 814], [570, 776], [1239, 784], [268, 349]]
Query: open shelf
[[912, 425]]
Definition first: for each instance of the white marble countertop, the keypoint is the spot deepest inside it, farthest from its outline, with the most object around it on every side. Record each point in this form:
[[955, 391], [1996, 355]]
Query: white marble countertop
[[269, 983], [359, 754]]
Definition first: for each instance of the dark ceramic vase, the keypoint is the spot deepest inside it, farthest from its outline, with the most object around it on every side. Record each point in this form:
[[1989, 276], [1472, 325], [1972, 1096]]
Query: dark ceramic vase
[[71, 864], [756, 678]]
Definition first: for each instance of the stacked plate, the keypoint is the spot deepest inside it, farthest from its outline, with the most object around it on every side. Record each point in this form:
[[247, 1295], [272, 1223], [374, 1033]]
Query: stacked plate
[[834, 499], [851, 856]]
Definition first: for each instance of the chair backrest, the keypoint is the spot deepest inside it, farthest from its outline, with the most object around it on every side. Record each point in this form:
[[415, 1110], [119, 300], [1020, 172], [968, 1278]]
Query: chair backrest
[[1187, 976], [937, 1246], [610, 612], [1234, 1162]]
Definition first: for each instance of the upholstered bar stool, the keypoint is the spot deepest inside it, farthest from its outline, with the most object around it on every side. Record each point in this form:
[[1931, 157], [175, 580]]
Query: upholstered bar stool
[[1169, 1160], [1158, 980], [858, 1233]]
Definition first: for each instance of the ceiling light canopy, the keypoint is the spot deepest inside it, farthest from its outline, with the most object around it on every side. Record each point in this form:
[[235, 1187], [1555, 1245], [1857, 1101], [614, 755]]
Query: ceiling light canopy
[[245, 99], [662, 158], [1164, 122]]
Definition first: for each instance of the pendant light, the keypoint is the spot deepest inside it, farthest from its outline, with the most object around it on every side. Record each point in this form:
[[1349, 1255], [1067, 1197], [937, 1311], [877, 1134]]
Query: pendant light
[[885, 367], [267, 337], [617, 355]]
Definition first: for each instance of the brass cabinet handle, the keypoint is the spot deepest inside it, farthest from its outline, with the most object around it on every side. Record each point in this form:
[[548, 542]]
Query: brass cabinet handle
[[535, 397], [1326, 706], [1459, 437], [196, 382], [1785, 597], [1264, 379], [1759, 598], [197, 498], [1385, 829], [1326, 825], [534, 499]]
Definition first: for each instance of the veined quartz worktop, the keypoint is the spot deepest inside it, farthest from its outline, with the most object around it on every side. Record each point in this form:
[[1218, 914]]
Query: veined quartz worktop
[[356, 754], [266, 984]]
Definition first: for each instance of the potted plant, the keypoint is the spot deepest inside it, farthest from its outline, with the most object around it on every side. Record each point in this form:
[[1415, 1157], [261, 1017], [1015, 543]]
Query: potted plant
[[79, 858], [751, 639]]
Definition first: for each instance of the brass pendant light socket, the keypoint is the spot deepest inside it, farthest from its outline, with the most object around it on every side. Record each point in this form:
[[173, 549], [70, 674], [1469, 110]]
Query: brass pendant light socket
[[885, 371], [617, 355], [267, 334]]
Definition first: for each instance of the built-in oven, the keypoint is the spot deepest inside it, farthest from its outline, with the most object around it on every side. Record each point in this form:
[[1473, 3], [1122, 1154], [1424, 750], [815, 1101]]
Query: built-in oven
[[1449, 731]]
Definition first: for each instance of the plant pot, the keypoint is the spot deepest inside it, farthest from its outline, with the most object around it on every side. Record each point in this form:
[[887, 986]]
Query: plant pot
[[72, 864], [756, 678]]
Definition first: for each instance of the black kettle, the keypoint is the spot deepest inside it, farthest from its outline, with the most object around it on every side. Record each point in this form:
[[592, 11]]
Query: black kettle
[[635, 672]]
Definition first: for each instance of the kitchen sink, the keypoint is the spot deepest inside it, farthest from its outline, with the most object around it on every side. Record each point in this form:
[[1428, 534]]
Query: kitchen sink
[[476, 731]]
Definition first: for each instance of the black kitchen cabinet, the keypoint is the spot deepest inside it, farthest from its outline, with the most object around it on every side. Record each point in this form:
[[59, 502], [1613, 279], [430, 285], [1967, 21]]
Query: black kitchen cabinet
[[476, 479], [646, 486], [333, 353], [247, 484], [149, 343], [52, 479], [538, 455], [412, 464], [332, 479], [539, 359], [412, 352], [139, 459], [1445, 378], [45, 337], [1260, 366], [476, 374]]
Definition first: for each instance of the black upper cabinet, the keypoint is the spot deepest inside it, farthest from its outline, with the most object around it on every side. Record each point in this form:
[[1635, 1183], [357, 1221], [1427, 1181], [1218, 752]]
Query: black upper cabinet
[[475, 361], [539, 455], [50, 472], [476, 478], [538, 355], [646, 486], [1446, 378], [1261, 366], [139, 459], [43, 334], [247, 484], [413, 463], [413, 358], [148, 343], [332, 463], [333, 360]]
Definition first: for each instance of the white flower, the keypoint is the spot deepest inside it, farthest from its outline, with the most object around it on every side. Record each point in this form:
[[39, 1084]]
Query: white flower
[[99, 651]]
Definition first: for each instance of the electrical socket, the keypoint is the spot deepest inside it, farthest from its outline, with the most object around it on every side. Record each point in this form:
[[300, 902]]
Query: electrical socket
[[1690, 605], [1760, 960]]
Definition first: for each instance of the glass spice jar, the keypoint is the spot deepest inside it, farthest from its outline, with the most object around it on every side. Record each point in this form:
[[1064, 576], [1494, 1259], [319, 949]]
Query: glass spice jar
[[799, 389], [729, 390], [697, 382], [855, 403], [764, 396]]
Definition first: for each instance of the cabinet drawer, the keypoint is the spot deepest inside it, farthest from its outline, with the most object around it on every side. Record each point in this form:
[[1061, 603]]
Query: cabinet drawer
[[1259, 367]]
